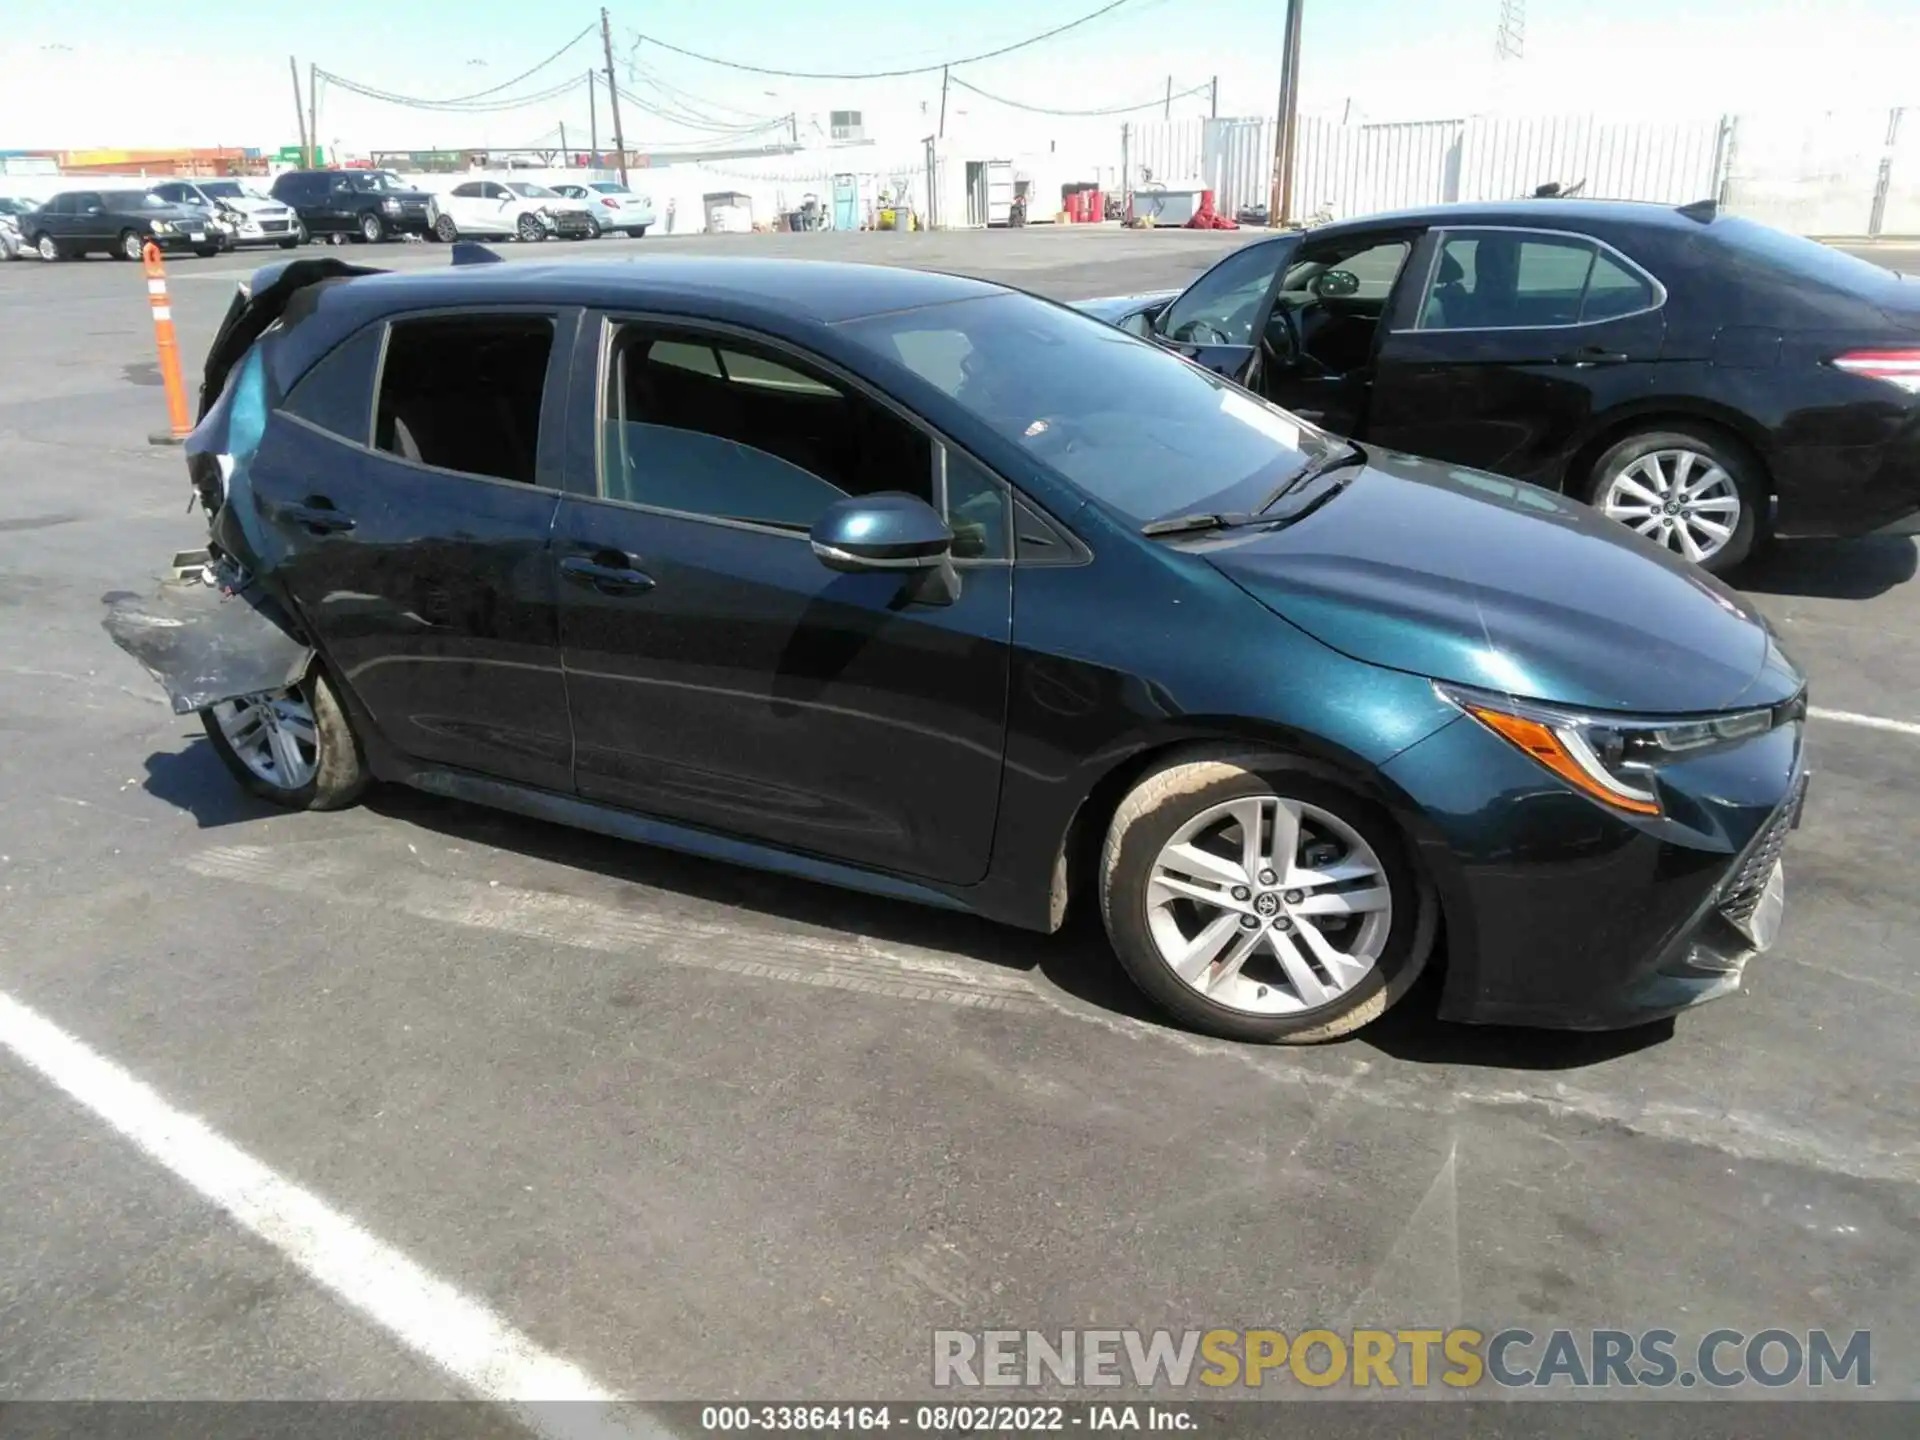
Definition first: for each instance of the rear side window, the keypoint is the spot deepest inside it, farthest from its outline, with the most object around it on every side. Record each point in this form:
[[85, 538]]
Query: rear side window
[[337, 394], [463, 393], [1512, 280]]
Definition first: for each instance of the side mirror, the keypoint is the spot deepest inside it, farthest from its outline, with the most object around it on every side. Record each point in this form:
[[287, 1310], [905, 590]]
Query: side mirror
[[888, 531], [95, 210], [1333, 284]]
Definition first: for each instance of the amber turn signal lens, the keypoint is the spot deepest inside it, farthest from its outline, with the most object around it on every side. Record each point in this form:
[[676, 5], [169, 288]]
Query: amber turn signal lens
[[1550, 750]]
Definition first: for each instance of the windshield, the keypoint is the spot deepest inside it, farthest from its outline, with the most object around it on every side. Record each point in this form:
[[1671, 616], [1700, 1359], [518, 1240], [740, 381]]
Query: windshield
[[9, 206], [134, 200], [1139, 429], [1800, 258], [611, 187], [531, 192], [230, 190], [379, 181]]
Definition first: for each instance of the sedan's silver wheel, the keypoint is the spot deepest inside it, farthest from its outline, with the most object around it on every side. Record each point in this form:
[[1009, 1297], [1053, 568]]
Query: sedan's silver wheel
[[1269, 906], [1681, 498], [274, 736]]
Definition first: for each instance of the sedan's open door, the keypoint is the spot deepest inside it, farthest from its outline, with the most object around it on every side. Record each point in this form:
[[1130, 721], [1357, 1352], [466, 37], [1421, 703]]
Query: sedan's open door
[[1218, 320]]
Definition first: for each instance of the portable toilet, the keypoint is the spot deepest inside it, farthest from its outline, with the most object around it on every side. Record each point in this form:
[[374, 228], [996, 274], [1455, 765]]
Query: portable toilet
[[846, 202]]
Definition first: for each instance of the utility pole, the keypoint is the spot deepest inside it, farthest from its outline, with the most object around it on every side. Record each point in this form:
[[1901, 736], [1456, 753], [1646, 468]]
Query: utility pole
[[313, 111], [300, 114], [1167, 113], [1213, 99], [564, 161], [593, 119], [942, 134], [1280, 192], [613, 93]]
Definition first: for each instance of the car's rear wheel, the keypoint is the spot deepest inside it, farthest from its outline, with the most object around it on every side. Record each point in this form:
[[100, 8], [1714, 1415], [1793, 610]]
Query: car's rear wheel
[[639, 232], [1256, 902], [132, 245], [372, 228], [295, 748], [1693, 491], [530, 229], [48, 248]]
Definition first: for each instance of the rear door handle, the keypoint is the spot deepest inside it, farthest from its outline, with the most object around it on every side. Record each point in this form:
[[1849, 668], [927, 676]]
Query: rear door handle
[[1588, 355], [608, 579], [317, 515]]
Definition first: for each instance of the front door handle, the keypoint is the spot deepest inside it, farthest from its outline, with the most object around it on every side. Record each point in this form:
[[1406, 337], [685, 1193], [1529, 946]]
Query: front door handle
[[317, 515], [608, 579], [1588, 355]]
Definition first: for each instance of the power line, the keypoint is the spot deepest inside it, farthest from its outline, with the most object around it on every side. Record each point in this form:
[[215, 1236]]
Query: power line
[[453, 101], [455, 107], [1153, 104], [715, 130], [1044, 35]]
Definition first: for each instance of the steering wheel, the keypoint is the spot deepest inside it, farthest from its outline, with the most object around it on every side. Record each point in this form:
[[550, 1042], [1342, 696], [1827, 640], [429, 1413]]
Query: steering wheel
[[1297, 356]]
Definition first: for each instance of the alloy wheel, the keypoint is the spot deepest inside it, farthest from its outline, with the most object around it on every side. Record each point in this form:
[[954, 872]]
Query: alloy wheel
[[371, 227], [530, 229], [1682, 499], [1269, 906], [274, 736], [132, 246], [48, 247]]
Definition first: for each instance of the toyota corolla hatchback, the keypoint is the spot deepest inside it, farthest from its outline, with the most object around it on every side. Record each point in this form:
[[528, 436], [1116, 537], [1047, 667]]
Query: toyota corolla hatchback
[[934, 589]]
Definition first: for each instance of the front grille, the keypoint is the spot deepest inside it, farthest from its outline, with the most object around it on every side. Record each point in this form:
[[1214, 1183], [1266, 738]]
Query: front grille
[[1741, 891], [268, 227]]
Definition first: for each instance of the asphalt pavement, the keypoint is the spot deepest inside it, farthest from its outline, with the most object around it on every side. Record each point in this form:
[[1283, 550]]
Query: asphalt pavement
[[694, 1132]]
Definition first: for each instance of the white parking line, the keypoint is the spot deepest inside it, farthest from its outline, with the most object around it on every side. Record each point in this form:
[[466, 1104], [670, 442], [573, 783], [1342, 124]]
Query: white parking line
[[1865, 722], [430, 1317]]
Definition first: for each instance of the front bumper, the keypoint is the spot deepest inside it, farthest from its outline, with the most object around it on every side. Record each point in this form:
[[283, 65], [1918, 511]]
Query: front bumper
[[262, 232], [1562, 914], [187, 240], [411, 219], [569, 224]]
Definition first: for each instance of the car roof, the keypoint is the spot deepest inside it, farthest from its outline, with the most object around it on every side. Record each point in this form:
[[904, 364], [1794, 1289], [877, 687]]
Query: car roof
[[822, 291], [1539, 214]]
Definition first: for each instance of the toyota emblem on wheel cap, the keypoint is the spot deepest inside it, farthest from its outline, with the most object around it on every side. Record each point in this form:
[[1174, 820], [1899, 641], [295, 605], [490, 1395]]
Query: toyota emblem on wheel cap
[[1267, 903]]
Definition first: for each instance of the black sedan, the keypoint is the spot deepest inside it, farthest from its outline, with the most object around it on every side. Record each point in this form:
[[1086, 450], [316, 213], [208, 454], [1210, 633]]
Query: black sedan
[[922, 586], [1706, 380], [120, 223]]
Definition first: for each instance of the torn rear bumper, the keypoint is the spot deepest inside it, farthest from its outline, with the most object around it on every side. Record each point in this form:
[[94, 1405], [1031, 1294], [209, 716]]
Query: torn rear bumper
[[205, 646]]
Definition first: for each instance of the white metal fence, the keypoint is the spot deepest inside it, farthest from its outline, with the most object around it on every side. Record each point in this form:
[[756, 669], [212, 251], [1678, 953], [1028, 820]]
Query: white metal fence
[[1835, 173]]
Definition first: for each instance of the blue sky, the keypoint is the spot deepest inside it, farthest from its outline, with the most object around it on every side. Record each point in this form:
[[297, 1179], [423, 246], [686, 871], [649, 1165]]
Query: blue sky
[[195, 72]]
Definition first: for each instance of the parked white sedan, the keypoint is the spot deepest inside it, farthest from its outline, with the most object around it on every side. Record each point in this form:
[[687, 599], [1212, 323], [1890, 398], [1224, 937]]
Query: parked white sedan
[[612, 205], [488, 208]]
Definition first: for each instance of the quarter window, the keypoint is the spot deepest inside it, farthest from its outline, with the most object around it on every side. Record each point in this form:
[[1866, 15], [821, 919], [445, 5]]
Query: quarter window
[[463, 393], [1504, 280], [731, 432]]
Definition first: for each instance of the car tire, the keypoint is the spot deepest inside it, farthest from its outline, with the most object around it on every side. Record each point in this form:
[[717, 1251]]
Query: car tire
[[131, 245], [372, 228], [207, 252], [293, 243], [528, 229], [593, 228], [446, 229], [48, 248], [1670, 464], [1193, 804], [337, 773], [639, 232]]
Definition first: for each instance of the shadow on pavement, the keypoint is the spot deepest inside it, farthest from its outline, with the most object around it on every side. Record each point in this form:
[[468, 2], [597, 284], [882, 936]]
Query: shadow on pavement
[[1076, 961], [1832, 569], [195, 781]]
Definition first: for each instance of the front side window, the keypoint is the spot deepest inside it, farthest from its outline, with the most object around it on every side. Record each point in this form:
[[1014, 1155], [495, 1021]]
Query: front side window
[[463, 393], [1222, 306], [1505, 279], [1136, 427], [726, 430]]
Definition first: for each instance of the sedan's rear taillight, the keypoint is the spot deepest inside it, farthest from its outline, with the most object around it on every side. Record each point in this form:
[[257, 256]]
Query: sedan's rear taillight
[[610, 203], [1896, 367]]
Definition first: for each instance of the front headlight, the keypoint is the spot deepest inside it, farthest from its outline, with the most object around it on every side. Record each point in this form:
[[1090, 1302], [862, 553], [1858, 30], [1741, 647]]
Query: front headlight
[[1610, 758], [161, 227], [390, 204]]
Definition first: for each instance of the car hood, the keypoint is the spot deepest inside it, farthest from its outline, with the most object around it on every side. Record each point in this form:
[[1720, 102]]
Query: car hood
[[1114, 308], [1487, 582]]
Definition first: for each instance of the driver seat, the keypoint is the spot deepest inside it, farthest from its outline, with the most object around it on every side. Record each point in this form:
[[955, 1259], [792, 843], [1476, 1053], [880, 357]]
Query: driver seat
[[1446, 306]]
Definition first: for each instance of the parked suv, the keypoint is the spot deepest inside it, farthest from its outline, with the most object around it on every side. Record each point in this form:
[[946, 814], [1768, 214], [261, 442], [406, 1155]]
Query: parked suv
[[117, 222], [239, 210], [368, 205]]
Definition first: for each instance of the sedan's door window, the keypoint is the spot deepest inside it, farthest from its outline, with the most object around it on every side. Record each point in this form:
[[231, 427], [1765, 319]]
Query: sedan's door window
[[463, 393], [1223, 305], [1509, 279], [724, 430]]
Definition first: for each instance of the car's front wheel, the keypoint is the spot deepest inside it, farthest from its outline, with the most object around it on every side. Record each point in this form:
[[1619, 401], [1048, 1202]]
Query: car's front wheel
[[1693, 491], [48, 248], [593, 228], [295, 748], [372, 228], [530, 229], [132, 244], [1256, 902]]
